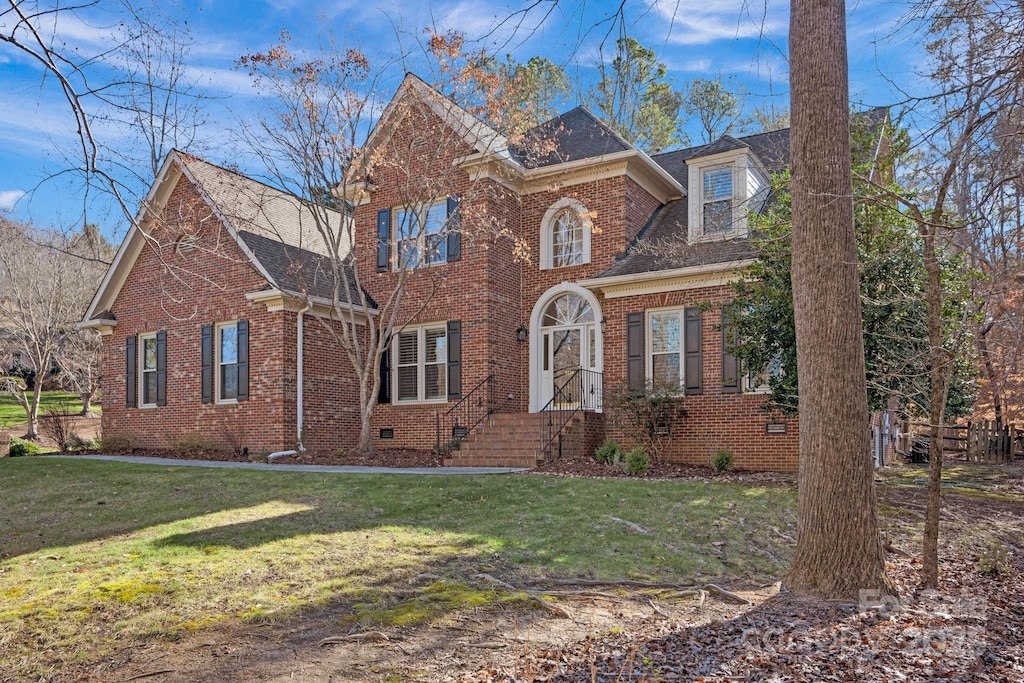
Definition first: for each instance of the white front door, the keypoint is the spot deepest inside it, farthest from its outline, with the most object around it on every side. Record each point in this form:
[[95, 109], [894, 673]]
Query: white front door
[[565, 350]]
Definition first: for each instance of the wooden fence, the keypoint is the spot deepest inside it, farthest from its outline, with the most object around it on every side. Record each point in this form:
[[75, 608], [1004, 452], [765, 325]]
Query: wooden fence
[[982, 441]]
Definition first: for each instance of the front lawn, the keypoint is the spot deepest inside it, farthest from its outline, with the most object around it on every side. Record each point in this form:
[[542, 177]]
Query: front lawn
[[11, 412], [96, 556]]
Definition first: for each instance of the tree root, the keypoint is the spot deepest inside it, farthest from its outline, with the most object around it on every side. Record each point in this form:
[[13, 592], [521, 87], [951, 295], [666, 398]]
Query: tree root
[[367, 637]]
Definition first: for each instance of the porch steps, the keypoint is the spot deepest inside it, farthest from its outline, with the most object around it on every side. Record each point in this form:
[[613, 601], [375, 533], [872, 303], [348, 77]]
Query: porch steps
[[514, 440]]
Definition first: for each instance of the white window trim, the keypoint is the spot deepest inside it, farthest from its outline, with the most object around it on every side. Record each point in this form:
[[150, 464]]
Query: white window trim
[[680, 312], [142, 371], [747, 382], [217, 363], [421, 236], [421, 365], [742, 163], [547, 223]]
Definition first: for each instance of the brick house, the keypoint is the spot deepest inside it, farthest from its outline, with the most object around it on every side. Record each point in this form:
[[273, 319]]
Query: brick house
[[523, 292]]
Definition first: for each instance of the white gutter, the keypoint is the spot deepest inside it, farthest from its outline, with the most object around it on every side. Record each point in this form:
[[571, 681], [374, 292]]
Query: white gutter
[[265, 295], [298, 374], [598, 282]]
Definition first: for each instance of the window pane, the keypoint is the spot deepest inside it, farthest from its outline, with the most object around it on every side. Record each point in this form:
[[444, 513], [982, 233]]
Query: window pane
[[665, 331], [229, 344], [434, 376], [436, 217], [718, 217], [568, 309], [228, 382], [408, 348], [437, 346], [665, 370], [405, 224], [717, 184], [149, 354], [436, 248], [407, 383], [567, 240], [149, 388]]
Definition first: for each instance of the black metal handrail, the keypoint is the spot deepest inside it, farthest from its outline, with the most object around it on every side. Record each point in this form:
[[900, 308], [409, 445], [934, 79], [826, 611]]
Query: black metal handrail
[[455, 424], [582, 390]]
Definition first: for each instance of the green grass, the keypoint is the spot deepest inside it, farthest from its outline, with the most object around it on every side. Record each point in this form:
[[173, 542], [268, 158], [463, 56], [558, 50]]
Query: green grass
[[11, 412], [97, 555]]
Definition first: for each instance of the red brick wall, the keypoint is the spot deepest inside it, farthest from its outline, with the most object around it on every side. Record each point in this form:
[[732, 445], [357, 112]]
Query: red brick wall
[[714, 419], [179, 294]]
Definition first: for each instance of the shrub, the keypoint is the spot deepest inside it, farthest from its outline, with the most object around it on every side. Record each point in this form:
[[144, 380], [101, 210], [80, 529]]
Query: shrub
[[637, 462], [609, 452], [193, 443], [58, 424], [115, 443], [994, 560], [20, 448], [722, 461]]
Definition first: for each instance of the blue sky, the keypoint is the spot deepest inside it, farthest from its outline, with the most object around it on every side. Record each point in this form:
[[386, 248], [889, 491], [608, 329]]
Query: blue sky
[[738, 38]]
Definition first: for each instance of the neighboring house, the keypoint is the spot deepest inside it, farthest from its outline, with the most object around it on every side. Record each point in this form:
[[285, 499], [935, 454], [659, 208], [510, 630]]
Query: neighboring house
[[208, 329]]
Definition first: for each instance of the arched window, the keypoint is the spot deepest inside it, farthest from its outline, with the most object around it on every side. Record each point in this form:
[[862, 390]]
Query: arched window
[[565, 235], [568, 309]]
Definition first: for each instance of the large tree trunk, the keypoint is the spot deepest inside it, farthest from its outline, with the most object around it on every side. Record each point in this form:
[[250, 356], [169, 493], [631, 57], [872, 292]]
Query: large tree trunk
[[937, 361], [839, 548], [86, 398]]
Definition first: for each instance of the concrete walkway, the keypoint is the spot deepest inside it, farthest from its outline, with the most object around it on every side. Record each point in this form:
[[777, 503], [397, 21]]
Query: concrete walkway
[[339, 469]]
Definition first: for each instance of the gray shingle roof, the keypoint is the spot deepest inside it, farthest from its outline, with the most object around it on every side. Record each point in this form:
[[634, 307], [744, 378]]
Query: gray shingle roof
[[667, 228], [576, 134], [299, 270]]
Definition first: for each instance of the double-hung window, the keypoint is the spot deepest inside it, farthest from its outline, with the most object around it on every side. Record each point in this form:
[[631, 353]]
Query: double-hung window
[[227, 362], [718, 200], [421, 364], [422, 235], [666, 349], [148, 370]]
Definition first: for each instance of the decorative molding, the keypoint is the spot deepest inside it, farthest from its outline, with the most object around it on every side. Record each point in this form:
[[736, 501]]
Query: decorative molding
[[694, 277]]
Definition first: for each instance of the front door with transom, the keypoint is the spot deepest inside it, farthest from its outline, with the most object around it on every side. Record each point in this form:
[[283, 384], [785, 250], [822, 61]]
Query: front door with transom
[[568, 354]]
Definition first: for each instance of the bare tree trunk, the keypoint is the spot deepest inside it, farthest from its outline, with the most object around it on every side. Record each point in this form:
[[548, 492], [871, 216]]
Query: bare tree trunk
[[936, 411], [839, 548], [32, 409], [86, 398], [990, 372]]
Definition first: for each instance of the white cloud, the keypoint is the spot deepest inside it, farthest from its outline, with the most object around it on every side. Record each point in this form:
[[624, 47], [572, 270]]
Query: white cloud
[[712, 20], [9, 198]]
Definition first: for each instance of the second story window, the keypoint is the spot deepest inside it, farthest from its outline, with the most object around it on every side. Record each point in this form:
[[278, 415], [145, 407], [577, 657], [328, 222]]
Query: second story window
[[566, 239], [565, 235], [418, 236], [718, 199]]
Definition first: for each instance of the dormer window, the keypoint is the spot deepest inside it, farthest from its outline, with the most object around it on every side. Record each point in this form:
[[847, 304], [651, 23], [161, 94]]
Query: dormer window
[[718, 196], [723, 189], [565, 235]]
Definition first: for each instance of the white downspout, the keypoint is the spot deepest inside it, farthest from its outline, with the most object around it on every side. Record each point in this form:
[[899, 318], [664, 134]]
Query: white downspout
[[298, 375]]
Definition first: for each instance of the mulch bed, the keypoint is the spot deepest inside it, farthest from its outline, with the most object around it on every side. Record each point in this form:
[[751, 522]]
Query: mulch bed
[[971, 630], [395, 457]]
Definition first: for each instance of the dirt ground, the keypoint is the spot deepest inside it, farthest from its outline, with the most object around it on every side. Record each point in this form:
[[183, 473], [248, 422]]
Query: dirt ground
[[86, 427]]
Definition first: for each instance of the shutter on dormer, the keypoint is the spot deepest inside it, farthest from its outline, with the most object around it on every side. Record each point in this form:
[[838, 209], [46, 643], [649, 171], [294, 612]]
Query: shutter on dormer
[[693, 354], [454, 229], [730, 363], [383, 240], [635, 380], [131, 383], [161, 368], [206, 362], [454, 359]]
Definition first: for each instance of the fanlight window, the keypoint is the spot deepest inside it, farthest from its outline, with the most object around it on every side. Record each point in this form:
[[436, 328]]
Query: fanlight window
[[568, 309]]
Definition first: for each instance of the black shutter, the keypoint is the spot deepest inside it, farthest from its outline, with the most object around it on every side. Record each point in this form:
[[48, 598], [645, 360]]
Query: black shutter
[[383, 240], [730, 363], [131, 382], [207, 363], [635, 352], [161, 368], [693, 354], [384, 391], [243, 360], [454, 229], [454, 359]]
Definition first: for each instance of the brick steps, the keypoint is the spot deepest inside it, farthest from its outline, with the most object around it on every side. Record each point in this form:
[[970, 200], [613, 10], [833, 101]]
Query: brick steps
[[514, 440]]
